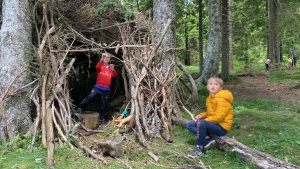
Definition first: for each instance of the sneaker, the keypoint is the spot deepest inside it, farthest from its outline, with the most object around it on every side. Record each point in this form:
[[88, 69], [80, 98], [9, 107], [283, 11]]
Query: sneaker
[[103, 121], [209, 143], [79, 111], [197, 152]]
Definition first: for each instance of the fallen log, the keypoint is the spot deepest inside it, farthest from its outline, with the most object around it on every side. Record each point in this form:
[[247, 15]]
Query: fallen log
[[250, 156]]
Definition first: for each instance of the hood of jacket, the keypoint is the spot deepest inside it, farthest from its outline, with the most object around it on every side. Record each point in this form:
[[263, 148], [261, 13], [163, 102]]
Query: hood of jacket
[[225, 94]]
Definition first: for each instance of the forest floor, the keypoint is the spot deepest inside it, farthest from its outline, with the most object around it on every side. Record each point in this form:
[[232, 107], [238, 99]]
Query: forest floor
[[258, 86]]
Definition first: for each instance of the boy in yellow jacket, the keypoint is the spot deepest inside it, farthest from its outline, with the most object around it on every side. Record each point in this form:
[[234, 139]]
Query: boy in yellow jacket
[[217, 120]]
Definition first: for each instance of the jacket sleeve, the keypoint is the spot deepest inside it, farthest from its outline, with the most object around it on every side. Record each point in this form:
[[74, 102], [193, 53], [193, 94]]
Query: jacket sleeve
[[98, 66], [204, 114], [221, 111], [114, 73]]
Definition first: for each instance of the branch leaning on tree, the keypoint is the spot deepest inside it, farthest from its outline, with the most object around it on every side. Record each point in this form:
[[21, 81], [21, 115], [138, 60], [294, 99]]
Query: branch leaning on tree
[[2, 97]]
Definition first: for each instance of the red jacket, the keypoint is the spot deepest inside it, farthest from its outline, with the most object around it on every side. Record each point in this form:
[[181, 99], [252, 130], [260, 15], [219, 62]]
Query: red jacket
[[104, 75]]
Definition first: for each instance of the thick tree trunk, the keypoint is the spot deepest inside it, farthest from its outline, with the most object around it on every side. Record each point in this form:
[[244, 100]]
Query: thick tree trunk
[[225, 41], [14, 58], [200, 37], [250, 156], [231, 66], [187, 60], [213, 51], [272, 29]]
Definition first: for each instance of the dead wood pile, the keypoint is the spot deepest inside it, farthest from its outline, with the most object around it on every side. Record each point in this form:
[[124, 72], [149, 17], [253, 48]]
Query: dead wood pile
[[67, 27], [63, 28], [149, 89]]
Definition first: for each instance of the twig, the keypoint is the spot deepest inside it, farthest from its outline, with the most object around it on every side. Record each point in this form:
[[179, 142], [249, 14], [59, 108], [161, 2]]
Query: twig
[[98, 157], [43, 92], [192, 116], [18, 90], [163, 35], [59, 129], [127, 165], [43, 43], [37, 120], [179, 154], [155, 158], [179, 166], [89, 130], [2, 97]]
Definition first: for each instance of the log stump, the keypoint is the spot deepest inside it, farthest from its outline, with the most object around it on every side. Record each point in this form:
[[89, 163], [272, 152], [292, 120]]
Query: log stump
[[90, 119]]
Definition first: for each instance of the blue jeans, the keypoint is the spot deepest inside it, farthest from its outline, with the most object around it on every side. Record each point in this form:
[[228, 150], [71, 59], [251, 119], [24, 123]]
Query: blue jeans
[[205, 128], [104, 94]]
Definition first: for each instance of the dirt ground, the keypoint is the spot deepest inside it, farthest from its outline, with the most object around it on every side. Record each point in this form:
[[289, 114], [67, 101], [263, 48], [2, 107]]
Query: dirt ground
[[257, 86]]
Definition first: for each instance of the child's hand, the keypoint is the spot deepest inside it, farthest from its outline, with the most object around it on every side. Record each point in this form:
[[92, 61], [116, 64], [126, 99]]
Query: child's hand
[[112, 66], [199, 116], [103, 55]]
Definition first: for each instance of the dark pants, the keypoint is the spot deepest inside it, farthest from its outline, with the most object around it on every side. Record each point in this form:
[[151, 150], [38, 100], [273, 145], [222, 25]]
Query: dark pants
[[294, 62], [267, 66], [205, 128], [104, 94]]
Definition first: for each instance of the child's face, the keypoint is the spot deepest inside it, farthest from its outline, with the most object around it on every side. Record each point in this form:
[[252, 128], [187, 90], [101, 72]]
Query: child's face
[[106, 59], [213, 87]]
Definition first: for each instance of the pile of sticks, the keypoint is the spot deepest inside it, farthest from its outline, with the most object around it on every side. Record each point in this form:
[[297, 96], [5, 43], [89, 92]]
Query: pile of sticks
[[150, 110]]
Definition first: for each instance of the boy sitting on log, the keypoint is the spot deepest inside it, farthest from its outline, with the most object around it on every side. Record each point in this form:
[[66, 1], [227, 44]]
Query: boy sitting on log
[[217, 120]]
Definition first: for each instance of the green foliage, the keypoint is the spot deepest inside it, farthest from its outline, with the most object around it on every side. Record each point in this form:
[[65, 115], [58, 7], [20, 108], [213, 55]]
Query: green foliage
[[115, 6], [187, 28], [145, 6]]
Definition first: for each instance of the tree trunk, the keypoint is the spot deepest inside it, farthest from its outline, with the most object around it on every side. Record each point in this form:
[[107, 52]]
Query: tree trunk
[[225, 41], [213, 51], [14, 58], [187, 47], [272, 29], [200, 38], [162, 12], [231, 66]]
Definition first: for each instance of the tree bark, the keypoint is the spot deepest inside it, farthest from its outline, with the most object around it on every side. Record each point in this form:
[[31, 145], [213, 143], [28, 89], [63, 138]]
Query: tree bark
[[14, 57], [200, 37], [225, 41], [231, 65], [272, 29], [213, 50]]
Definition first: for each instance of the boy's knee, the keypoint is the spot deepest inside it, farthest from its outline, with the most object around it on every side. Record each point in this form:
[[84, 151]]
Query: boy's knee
[[188, 125]]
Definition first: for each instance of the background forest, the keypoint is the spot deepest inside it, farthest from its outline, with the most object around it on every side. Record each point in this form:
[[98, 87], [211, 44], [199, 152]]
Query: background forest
[[250, 30], [164, 52]]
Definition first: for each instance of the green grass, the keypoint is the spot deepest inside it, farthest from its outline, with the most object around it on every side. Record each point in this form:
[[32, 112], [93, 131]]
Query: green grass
[[265, 125], [285, 76]]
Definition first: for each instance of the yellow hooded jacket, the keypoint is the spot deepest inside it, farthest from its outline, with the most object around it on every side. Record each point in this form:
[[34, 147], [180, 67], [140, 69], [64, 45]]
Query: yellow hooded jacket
[[219, 109]]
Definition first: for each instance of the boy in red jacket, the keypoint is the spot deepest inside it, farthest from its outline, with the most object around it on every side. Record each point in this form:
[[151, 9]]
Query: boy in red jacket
[[217, 120], [105, 73]]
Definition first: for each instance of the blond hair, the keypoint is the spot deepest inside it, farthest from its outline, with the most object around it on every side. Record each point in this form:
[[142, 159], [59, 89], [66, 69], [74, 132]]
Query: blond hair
[[216, 79]]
